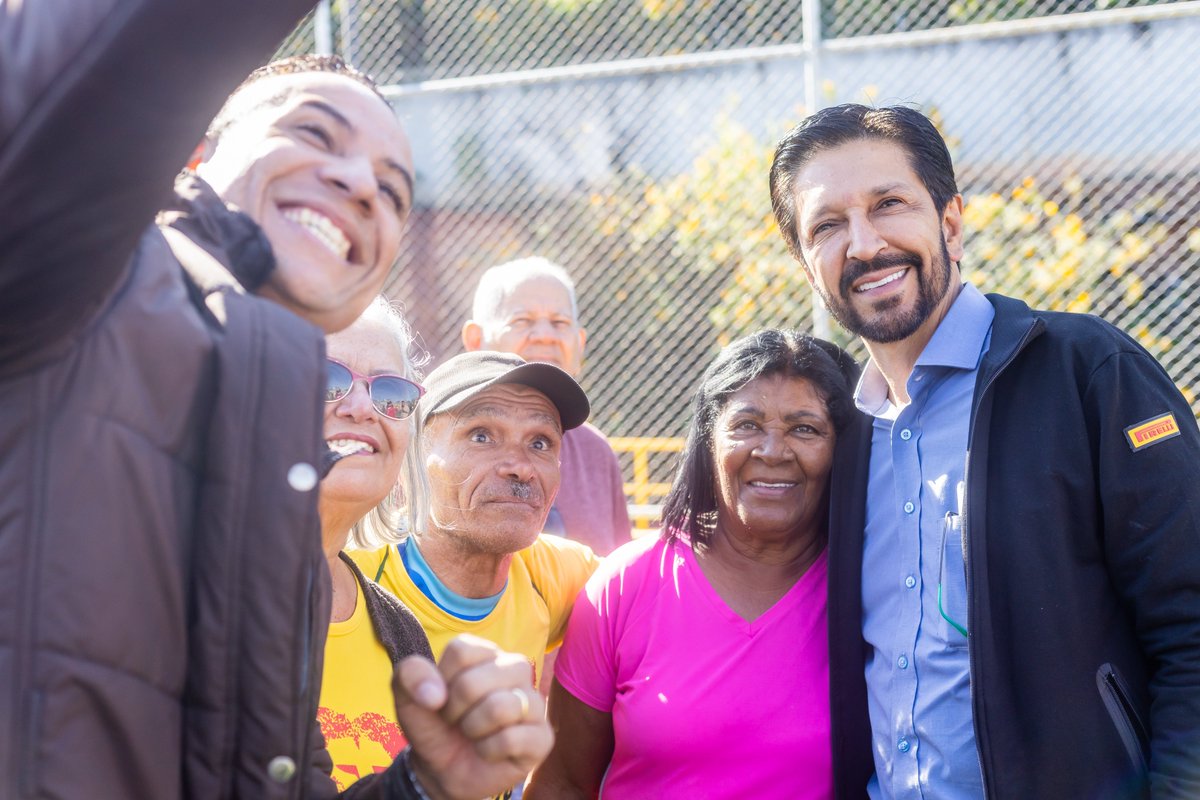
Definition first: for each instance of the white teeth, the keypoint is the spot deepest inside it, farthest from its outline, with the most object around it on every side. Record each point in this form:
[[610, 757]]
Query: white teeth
[[766, 485], [348, 447], [321, 227], [895, 276]]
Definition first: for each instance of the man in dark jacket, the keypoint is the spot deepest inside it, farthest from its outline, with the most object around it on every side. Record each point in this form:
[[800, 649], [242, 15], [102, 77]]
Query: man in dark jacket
[[163, 596], [1015, 532]]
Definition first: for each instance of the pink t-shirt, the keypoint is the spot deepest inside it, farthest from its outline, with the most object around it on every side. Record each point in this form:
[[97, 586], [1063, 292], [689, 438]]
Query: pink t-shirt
[[703, 703]]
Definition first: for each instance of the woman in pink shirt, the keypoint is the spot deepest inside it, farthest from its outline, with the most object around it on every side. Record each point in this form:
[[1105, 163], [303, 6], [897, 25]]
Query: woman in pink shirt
[[696, 664]]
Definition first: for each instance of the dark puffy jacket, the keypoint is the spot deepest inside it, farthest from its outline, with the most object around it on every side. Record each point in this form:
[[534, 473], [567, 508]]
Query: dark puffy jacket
[[163, 596]]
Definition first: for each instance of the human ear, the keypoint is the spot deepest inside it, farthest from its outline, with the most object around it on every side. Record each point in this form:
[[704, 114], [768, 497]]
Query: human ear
[[952, 228], [472, 335]]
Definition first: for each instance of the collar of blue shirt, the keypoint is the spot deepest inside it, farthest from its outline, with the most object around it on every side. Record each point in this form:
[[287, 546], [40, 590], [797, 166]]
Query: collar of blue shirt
[[957, 343]]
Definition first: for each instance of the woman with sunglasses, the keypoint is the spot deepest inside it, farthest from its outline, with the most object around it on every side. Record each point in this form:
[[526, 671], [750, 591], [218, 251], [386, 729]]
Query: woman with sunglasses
[[370, 430]]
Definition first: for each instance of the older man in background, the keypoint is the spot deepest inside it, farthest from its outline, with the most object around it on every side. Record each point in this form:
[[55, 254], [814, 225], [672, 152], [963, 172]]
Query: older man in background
[[528, 307]]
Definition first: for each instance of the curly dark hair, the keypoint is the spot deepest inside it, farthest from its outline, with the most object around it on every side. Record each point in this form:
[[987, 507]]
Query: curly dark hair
[[691, 505], [336, 65]]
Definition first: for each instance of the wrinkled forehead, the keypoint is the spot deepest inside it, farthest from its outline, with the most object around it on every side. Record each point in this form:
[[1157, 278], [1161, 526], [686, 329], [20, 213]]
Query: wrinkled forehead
[[511, 402], [369, 345], [852, 167], [538, 293]]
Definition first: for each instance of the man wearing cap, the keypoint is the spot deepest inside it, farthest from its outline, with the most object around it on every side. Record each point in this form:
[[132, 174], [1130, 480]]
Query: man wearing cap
[[528, 307], [493, 426]]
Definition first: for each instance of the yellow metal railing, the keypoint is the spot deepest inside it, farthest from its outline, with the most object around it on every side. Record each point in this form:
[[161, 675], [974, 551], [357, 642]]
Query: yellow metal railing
[[644, 495]]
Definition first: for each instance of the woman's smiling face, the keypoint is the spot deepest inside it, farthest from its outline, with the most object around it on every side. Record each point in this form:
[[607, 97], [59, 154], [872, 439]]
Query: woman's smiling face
[[772, 451], [375, 443]]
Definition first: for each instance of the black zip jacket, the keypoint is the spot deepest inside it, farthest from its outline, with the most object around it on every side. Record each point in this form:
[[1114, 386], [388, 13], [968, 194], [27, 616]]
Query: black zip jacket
[[1083, 568]]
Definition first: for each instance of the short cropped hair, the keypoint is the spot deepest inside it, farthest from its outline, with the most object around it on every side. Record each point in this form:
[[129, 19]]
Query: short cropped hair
[[236, 107], [407, 505], [837, 125], [500, 281], [690, 508]]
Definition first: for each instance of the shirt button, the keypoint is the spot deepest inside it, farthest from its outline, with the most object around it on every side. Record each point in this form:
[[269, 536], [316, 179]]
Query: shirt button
[[302, 477], [902, 745], [902, 662], [906, 434], [910, 581], [909, 507], [281, 769]]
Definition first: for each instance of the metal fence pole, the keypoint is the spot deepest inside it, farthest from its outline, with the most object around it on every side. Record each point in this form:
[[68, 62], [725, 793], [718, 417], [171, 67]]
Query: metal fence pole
[[323, 29], [810, 11], [349, 21]]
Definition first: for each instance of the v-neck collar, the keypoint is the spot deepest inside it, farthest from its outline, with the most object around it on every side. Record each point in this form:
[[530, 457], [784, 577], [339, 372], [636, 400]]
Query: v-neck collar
[[781, 606]]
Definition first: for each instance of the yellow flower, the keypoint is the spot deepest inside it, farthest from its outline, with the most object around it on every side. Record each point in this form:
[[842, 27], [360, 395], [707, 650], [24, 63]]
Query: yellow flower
[[1050, 208], [486, 15], [1122, 220], [1134, 290], [1193, 240], [1137, 247]]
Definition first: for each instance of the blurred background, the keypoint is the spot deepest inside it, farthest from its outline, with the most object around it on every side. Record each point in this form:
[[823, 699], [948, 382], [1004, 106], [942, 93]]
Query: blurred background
[[629, 141]]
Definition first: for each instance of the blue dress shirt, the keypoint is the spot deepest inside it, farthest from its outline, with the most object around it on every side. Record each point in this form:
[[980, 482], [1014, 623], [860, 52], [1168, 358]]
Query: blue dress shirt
[[913, 580]]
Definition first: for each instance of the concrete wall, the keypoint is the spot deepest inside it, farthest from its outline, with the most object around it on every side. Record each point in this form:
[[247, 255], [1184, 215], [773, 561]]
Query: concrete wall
[[1118, 98]]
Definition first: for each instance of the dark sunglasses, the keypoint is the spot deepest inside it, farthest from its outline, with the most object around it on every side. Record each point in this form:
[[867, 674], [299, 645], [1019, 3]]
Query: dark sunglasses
[[393, 397]]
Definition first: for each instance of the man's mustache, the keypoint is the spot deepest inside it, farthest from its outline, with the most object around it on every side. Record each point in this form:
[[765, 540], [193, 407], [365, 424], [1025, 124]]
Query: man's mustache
[[856, 268], [522, 490]]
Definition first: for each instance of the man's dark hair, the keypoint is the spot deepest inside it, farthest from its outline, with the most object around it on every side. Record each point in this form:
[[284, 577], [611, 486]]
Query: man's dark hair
[[232, 110], [838, 125], [691, 506]]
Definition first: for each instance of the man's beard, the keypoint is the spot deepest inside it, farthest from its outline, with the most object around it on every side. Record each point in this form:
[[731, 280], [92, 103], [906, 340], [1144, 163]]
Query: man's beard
[[884, 327]]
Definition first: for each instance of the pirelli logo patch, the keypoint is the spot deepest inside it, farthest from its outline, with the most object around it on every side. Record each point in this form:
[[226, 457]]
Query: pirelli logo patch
[[1152, 431]]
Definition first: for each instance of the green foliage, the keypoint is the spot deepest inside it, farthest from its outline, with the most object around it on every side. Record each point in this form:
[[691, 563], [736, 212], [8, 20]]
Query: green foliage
[[711, 229], [717, 218]]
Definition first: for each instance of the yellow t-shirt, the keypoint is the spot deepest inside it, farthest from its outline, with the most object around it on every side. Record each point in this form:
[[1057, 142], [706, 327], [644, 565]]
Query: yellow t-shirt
[[532, 614], [357, 710]]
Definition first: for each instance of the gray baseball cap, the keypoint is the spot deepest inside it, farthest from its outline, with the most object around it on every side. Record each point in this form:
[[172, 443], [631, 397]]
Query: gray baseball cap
[[466, 375]]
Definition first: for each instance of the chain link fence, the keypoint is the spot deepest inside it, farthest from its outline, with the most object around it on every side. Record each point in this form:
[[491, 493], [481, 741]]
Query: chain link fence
[[629, 140]]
